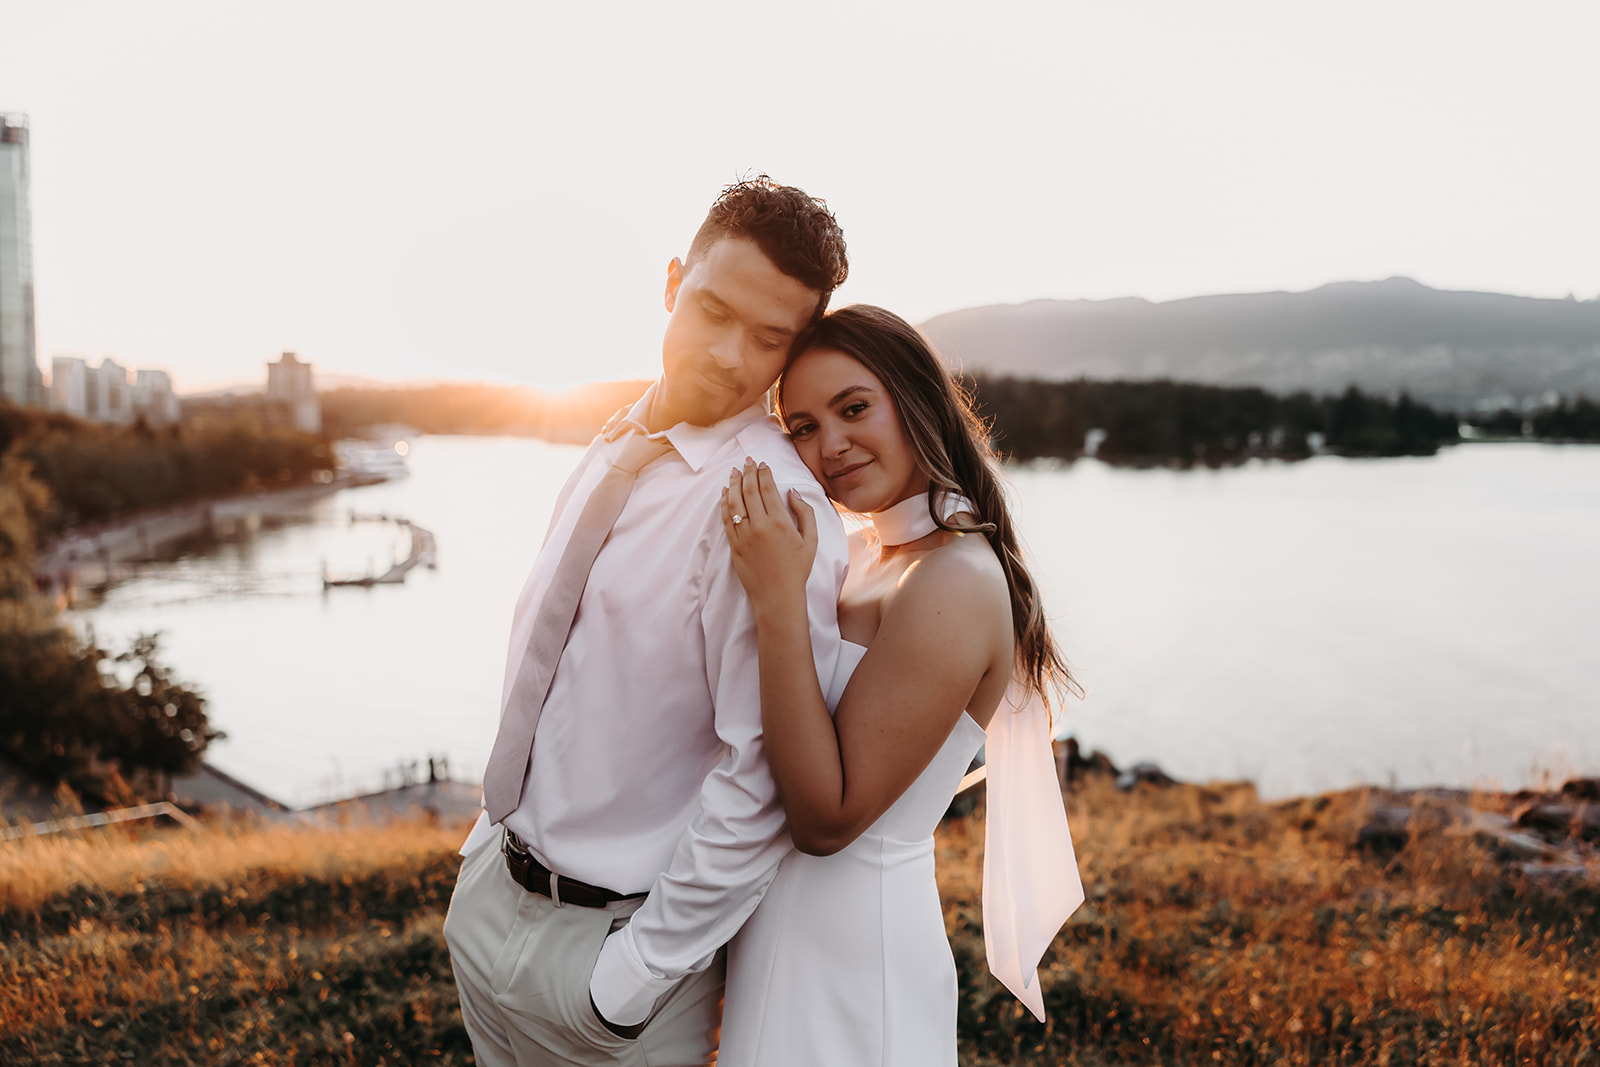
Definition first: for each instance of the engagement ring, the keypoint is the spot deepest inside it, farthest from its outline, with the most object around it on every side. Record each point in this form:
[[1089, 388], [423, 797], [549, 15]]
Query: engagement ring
[[737, 519]]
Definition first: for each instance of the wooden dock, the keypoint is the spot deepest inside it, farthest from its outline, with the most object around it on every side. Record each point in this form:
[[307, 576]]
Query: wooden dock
[[424, 552]]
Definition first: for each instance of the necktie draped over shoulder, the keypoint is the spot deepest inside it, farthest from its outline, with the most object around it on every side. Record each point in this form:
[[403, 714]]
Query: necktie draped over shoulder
[[1030, 873], [505, 774]]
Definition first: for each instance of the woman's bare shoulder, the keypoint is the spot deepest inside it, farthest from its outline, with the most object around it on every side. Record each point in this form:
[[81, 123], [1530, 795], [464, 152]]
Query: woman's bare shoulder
[[960, 581], [969, 557]]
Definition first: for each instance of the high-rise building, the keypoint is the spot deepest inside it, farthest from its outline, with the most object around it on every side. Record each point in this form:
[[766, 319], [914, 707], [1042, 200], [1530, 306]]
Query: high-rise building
[[69, 386], [290, 384], [104, 394], [20, 381], [110, 399], [153, 398]]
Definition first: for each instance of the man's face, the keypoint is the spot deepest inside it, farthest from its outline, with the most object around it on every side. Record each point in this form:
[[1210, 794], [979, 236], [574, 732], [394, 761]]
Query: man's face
[[733, 315]]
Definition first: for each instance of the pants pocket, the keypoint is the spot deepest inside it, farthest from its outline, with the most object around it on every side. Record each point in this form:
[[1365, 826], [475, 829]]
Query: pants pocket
[[547, 984], [467, 893]]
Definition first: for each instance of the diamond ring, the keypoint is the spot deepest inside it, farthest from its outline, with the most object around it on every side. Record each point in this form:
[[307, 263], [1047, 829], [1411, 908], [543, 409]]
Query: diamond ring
[[737, 519]]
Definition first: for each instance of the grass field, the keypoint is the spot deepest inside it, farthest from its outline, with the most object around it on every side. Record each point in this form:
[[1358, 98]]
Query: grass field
[[1218, 930]]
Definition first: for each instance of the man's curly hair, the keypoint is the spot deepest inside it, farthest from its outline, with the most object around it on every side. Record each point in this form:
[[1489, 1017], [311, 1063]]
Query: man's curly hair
[[795, 231]]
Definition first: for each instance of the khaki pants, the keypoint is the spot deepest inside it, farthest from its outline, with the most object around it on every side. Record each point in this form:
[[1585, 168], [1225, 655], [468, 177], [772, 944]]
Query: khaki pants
[[522, 967]]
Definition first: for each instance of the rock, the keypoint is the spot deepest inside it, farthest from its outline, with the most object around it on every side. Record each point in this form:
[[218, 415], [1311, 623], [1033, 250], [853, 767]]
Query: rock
[[1542, 815], [1498, 833], [1581, 788], [1392, 816], [1144, 772], [1072, 765], [1381, 841], [1562, 820], [1387, 831], [1554, 874]]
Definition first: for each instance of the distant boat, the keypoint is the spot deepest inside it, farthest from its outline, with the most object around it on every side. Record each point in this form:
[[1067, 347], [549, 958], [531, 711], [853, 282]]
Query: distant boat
[[361, 460]]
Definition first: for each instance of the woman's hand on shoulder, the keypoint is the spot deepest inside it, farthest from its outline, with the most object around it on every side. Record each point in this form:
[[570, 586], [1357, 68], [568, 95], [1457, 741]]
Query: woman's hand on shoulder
[[773, 541]]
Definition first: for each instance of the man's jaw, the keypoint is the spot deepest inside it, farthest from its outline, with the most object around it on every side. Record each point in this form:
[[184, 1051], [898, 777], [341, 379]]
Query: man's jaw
[[719, 383]]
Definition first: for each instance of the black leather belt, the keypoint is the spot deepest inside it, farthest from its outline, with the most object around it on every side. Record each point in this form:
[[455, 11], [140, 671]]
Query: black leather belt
[[533, 876]]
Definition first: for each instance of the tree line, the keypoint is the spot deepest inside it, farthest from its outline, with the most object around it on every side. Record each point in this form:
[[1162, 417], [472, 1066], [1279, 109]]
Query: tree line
[[1177, 422], [96, 472], [109, 723], [1568, 420]]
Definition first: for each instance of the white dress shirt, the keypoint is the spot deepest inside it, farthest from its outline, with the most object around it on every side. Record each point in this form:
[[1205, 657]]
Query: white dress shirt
[[648, 772]]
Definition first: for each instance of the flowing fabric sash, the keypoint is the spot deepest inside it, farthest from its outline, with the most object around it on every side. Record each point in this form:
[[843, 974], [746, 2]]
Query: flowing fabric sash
[[1030, 873]]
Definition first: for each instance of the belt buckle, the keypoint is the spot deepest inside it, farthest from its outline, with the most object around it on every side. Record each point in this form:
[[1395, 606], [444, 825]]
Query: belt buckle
[[517, 853]]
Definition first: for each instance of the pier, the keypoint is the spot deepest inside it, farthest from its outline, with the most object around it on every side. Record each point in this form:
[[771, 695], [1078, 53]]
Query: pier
[[424, 552]]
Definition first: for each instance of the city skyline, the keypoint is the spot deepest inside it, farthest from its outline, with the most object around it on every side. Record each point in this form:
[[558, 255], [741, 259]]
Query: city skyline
[[495, 196]]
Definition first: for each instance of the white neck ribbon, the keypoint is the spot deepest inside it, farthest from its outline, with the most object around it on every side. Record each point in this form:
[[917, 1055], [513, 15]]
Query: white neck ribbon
[[911, 520]]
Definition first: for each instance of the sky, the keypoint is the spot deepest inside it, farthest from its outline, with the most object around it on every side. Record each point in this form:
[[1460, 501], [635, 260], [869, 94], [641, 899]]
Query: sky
[[493, 192]]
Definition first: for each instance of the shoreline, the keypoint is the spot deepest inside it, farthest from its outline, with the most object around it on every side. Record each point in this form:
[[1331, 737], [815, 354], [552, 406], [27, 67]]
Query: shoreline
[[89, 557], [1549, 835]]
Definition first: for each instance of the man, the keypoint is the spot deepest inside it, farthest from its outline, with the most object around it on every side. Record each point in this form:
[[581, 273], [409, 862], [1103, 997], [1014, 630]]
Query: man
[[640, 831]]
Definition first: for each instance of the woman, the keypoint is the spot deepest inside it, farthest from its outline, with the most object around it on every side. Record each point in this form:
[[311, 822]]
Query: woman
[[846, 960]]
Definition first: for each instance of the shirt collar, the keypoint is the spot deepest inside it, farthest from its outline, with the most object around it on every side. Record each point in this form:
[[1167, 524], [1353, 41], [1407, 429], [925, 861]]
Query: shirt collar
[[696, 444]]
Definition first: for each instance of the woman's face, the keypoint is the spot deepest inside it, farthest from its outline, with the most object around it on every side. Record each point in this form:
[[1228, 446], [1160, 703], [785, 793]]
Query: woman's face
[[847, 431]]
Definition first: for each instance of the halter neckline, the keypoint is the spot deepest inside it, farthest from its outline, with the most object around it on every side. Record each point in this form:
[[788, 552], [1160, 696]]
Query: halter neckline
[[911, 520]]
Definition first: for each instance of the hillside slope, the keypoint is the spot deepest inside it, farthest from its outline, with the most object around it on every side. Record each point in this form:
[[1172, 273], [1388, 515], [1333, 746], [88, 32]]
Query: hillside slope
[[1217, 929], [1459, 350]]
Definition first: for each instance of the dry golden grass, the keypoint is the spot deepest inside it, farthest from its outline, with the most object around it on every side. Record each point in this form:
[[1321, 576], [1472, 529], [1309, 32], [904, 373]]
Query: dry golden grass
[[33, 869], [1218, 930], [249, 945]]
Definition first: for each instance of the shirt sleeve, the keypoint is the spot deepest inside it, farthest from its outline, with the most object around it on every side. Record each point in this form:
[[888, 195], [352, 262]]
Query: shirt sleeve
[[730, 851]]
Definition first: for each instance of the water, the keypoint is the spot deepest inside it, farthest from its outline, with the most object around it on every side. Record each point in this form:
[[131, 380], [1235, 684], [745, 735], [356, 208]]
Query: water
[[1308, 626]]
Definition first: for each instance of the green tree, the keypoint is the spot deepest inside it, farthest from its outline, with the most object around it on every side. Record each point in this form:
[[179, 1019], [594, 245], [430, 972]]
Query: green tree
[[158, 724], [65, 713]]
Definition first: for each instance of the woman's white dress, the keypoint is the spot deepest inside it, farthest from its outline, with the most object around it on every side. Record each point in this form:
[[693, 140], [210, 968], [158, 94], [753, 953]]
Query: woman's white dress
[[845, 962]]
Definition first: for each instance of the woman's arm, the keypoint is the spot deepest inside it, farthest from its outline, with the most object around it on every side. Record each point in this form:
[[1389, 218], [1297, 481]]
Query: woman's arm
[[936, 642]]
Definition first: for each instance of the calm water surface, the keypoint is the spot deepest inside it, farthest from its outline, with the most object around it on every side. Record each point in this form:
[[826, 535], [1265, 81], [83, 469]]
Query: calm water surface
[[1308, 626]]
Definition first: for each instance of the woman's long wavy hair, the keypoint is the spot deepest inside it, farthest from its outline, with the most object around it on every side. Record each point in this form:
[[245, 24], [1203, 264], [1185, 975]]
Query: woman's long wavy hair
[[951, 445]]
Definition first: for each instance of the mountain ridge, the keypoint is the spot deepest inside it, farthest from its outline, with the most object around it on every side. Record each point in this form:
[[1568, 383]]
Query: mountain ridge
[[1456, 348]]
